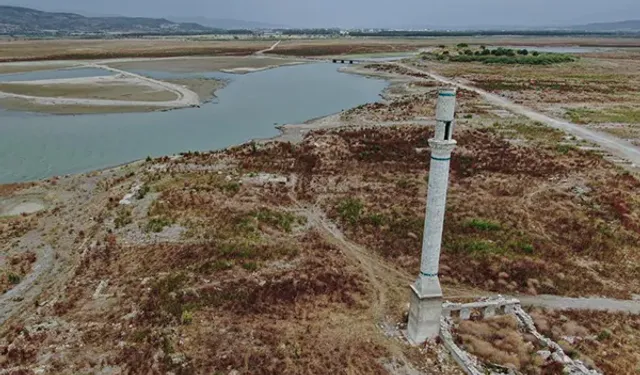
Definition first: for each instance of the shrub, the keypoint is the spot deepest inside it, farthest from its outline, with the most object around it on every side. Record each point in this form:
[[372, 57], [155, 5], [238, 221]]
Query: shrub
[[483, 225], [13, 278], [123, 217], [376, 219], [350, 210], [230, 188], [187, 317], [462, 45], [502, 56], [142, 192], [250, 266], [280, 220], [479, 247], [527, 248], [535, 53], [564, 149], [468, 52], [157, 225], [218, 265], [604, 335], [403, 183]]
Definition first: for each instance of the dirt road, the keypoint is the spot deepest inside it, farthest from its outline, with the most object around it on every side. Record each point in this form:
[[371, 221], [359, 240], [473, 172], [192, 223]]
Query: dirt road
[[268, 49], [611, 144]]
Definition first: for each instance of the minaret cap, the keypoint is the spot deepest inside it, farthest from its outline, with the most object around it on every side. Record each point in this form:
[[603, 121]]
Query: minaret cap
[[445, 114]]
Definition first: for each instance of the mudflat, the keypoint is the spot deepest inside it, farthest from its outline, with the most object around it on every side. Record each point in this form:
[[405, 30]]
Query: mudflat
[[23, 105], [205, 64], [106, 90], [204, 87], [10, 68]]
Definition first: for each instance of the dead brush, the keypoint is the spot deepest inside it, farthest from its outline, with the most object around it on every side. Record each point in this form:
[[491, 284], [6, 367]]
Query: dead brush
[[544, 224], [499, 341], [606, 340]]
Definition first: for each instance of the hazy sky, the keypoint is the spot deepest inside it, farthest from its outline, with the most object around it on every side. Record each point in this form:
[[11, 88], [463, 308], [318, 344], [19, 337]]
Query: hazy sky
[[357, 13]]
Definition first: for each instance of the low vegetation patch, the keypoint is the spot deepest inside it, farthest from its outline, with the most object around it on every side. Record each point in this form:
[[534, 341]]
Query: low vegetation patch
[[606, 340], [350, 210], [16, 267], [623, 115], [157, 224], [482, 225], [123, 217], [500, 55], [499, 341]]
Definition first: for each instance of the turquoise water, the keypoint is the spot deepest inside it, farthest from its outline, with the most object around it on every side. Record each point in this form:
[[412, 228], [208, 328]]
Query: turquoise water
[[36, 146], [55, 74]]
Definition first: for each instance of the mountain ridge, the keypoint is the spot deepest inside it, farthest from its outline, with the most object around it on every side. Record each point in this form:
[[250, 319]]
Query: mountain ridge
[[627, 25], [21, 20], [227, 23]]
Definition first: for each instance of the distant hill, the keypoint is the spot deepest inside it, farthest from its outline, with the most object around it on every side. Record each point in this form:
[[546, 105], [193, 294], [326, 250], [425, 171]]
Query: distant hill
[[226, 23], [18, 20], [631, 25]]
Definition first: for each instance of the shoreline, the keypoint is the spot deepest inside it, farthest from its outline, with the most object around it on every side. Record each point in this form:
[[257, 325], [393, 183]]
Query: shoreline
[[79, 95], [293, 133]]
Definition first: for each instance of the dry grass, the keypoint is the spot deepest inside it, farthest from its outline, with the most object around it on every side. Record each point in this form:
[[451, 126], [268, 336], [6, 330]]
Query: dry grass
[[60, 49], [250, 286], [608, 340], [15, 268], [390, 45], [557, 208], [9, 189], [600, 89], [499, 341]]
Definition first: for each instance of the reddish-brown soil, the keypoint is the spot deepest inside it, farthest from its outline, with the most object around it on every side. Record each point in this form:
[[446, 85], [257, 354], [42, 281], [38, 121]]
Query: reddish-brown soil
[[558, 214]]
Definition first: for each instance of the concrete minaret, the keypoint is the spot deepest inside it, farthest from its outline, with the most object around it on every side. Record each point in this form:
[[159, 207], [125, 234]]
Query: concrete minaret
[[426, 294]]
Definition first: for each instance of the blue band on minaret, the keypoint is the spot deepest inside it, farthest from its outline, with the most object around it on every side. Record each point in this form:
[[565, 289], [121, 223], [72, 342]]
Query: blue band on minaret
[[428, 274], [446, 94], [440, 159]]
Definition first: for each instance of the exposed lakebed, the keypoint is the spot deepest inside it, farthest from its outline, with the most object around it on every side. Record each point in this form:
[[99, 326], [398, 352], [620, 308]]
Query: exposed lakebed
[[36, 146]]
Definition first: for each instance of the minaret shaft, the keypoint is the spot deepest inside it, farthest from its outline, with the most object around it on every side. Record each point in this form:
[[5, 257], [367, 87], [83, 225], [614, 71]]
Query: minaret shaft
[[436, 207], [426, 294]]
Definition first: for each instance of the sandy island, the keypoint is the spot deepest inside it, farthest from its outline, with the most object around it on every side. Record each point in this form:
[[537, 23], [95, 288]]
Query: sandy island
[[125, 91]]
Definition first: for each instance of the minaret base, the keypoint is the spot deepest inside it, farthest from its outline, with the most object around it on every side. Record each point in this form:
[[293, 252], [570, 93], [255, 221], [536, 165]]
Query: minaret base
[[424, 317]]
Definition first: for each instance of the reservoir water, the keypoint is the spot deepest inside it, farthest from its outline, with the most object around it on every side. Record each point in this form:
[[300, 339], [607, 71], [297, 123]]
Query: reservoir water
[[34, 146]]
